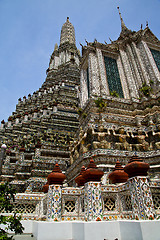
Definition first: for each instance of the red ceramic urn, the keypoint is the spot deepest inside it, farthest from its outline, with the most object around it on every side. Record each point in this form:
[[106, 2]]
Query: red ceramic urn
[[118, 175], [136, 167], [56, 176], [92, 173], [45, 187], [79, 179]]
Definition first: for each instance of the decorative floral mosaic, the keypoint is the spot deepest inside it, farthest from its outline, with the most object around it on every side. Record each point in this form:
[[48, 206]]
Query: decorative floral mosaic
[[142, 202], [93, 201], [54, 203]]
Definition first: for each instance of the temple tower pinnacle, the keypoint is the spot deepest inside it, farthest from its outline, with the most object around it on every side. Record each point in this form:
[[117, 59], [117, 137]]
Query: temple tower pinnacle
[[67, 33], [67, 50]]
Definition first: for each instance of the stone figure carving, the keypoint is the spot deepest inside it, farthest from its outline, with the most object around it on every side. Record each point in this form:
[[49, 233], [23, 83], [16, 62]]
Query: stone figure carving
[[157, 138], [142, 144], [122, 144], [101, 139]]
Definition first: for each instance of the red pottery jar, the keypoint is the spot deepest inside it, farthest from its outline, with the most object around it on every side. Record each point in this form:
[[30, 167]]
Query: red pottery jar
[[56, 176], [92, 173], [46, 187], [118, 175], [136, 167], [79, 179]]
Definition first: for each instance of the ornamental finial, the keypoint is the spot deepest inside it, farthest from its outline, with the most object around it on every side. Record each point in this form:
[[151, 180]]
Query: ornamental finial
[[122, 22], [124, 29]]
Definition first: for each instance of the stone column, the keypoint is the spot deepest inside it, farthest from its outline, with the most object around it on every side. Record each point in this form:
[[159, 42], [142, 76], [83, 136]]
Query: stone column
[[94, 75], [54, 203], [141, 198], [129, 75], [135, 71], [21, 157], [123, 78], [93, 201], [151, 60], [141, 64], [2, 153], [84, 89], [102, 72], [37, 152]]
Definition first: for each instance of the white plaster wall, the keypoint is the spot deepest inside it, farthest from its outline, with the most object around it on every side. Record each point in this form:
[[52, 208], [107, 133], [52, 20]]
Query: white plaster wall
[[150, 230], [52, 230], [123, 230], [101, 230], [130, 230], [78, 230]]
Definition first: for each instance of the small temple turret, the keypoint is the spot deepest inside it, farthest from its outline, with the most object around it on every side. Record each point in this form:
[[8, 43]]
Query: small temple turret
[[67, 50], [124, 30]]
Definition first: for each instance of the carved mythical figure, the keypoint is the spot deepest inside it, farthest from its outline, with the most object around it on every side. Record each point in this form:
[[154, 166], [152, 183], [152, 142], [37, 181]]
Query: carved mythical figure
[[157, 138], [123, 144], [101, 137], [142, 144]]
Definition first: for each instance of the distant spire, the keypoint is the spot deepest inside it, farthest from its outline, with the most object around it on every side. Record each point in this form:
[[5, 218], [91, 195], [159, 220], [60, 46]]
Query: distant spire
[[67, 33], [124, 29], [122, 22]]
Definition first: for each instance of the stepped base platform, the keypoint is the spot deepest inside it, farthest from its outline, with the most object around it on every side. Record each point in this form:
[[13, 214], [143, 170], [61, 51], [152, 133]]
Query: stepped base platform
[[78, 230], [24, 237]]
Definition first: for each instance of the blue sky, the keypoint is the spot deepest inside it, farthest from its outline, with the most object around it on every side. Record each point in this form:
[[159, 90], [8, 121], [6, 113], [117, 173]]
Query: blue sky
[[30, 28]]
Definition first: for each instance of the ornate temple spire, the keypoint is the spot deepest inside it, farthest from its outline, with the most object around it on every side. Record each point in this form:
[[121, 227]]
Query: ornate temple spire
[[124, 29], [67, 33]]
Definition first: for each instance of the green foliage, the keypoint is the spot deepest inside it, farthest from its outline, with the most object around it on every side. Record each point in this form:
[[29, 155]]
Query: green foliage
[[151, 81], [84, 115], [79, 111], [12, 222], [100, 103], [114, 94], [146, 90]]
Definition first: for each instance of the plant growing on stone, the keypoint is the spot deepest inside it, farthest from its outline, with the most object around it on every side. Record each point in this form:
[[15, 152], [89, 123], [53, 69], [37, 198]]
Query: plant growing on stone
[[10, 222], [151, 81], [100, 103], [146, 90], [79, 111], [114, 94], [84, 115]]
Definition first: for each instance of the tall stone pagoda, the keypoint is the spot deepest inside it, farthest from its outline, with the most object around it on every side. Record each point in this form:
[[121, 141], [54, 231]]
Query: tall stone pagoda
[[40, 131]]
